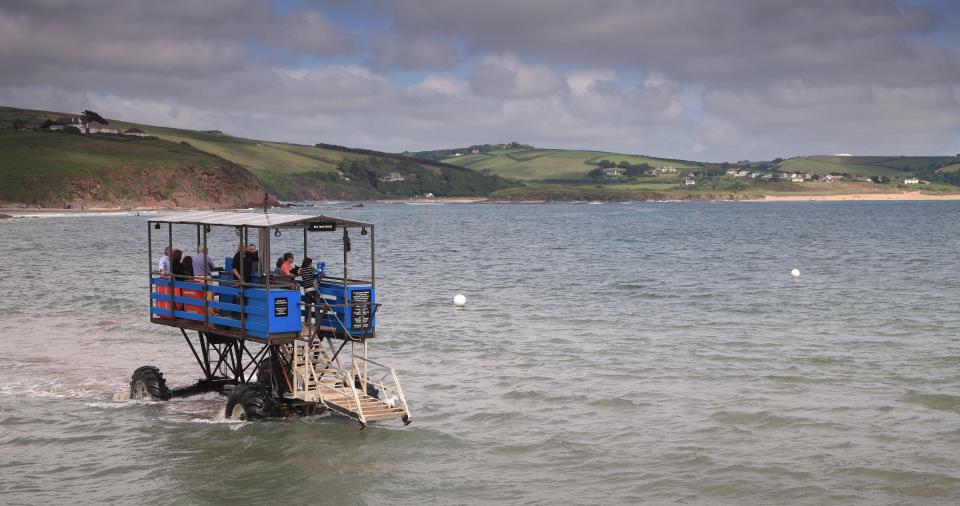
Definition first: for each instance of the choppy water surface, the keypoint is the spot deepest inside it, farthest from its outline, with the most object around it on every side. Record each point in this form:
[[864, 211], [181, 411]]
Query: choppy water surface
[[613, 353]]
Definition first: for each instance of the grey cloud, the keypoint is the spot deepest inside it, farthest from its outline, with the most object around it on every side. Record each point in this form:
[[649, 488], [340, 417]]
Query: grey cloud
[[692, 39], [797, 77], [178, 36], [816, 117], [416, 52], [504, 76], [309, 31]]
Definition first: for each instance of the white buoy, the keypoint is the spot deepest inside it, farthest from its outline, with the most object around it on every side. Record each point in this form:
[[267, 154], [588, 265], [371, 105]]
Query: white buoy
[[795, 273], [459, 300]]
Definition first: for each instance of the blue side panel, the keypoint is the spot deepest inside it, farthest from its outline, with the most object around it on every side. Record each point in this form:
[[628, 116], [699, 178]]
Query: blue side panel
[[352, 307], [276, 311]]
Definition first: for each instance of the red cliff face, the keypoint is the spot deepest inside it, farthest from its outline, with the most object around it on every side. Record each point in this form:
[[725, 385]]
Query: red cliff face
[[225, 187]]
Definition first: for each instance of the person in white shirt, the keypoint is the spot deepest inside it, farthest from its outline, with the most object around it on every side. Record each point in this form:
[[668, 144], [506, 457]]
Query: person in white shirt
[[165, 267]]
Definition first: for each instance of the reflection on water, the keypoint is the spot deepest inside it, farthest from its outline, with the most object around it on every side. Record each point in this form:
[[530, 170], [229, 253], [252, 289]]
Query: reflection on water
[[608, 353]]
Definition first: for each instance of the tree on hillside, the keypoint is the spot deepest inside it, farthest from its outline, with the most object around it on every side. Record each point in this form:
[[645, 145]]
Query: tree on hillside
[[90, 116], [605, 164], [624, 164], [637, 170]]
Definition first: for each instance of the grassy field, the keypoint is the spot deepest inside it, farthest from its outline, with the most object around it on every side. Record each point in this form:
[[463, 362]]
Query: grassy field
[[547, 164], [865, 166], [260, 157], [56, 153], [290, 171]]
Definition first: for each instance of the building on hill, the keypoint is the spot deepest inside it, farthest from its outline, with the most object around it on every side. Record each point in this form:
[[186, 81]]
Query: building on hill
[[689, 182], [612, 172], [843, 154], [95, 127], [393, 177], [64, 122], [911, 180], [135, 132]]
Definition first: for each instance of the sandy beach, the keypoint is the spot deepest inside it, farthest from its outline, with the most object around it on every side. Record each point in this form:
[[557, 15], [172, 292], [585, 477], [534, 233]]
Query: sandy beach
[[76, 210], [910, 195]]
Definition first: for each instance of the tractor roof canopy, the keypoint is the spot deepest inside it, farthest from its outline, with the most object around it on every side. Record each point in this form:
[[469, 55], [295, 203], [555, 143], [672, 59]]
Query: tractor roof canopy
[[253, 219]]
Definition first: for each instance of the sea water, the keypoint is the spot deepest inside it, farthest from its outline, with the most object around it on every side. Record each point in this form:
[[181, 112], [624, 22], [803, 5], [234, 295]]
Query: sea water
[[617, 353]]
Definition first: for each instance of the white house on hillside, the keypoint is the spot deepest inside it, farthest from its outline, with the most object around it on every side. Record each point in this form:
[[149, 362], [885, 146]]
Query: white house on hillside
[[394, 177], [95, 127]]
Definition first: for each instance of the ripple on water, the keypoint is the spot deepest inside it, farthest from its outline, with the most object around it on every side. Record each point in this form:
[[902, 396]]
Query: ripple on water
[[942, 402]]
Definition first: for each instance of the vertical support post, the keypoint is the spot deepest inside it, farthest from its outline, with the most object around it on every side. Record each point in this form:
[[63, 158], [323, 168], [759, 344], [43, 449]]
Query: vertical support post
[[373, 262], [243, 276], [206, 280], [205, 347], [150, 264], [373, 285], [307, 311], [265, 270], [170, 280]]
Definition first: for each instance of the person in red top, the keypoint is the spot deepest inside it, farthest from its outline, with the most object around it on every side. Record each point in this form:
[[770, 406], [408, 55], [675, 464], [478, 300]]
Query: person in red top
[[285, 264]]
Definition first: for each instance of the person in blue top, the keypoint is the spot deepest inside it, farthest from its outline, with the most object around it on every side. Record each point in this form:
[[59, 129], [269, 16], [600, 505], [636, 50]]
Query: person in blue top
[[202, 265]]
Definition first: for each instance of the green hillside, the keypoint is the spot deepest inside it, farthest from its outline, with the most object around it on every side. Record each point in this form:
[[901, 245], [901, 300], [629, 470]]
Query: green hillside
[[55, 169], [289, 171], [526, 163], [864, 166]]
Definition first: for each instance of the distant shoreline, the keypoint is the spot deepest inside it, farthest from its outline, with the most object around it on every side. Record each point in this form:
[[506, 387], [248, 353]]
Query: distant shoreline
[[849, 197]]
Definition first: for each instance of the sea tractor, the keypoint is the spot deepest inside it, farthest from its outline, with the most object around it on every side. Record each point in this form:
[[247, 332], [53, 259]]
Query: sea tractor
[[274, 347]]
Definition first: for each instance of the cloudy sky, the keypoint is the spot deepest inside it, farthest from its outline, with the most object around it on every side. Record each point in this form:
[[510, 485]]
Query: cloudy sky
[[707, 80]]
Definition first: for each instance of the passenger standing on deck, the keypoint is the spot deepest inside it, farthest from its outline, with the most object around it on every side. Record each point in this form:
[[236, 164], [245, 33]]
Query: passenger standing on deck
[[202, 265], [176, 262], [237, 258], [187, 266], [286, 264], [308, 281], [178, 275], [164, 266], [164, 288], [250, 260]]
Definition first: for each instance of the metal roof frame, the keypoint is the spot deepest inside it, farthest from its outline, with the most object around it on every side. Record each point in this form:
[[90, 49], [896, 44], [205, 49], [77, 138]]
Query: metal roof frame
[[252, 219]]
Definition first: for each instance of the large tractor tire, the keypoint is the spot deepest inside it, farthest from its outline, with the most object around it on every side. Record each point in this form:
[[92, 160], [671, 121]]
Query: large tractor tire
[[249, 402], [148, 382], [269, 373]]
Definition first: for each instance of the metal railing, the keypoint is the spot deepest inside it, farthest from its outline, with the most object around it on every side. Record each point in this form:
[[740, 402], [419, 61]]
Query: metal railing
[[386, 392]]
